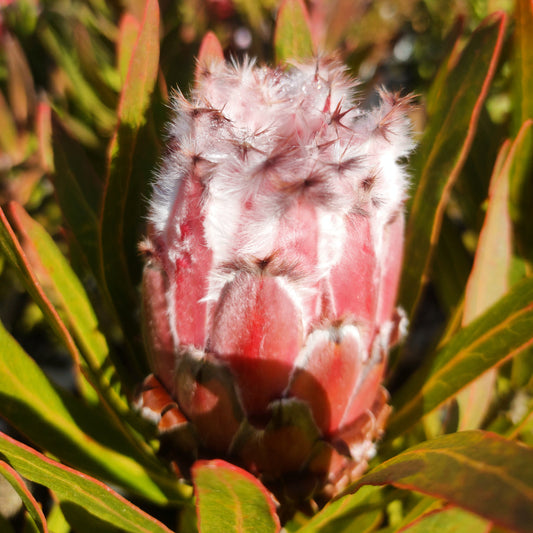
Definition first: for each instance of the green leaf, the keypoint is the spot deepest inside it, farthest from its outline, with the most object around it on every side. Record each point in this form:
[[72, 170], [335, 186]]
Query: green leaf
[[78, 86], [501, 332], [78, 489], [521, 193], [48, 276], [12, 250], [56, 520], [444, 148], [448, 520], [478, 471], [128, 32], [132, 153], [230, 499], [26, 496], [488, 282], [9, 143], [350, 513], [78, 190], [78, 434], [292, 37], [142, 69], [63, 288], [523, 63]]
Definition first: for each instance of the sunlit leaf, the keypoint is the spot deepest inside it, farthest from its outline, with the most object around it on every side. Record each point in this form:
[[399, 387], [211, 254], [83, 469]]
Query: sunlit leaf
[[48, 277], [448, 520], [43, 126], [79, 87], [355, 512], [210, 51], [78, 489], [79, 434], [480, 472], [29, 501], [62, 287], [292, 38], [444, 148], [128, 32], [501, 332], [488, 282], [230, 499], [56, 520]]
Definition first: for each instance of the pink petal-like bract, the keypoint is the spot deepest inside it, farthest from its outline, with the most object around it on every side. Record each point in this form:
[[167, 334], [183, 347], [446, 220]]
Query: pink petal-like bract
[[272, 264]]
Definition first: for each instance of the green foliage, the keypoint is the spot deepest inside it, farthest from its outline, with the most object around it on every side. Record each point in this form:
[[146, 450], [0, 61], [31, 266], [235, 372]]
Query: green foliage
[[229, 499], [83, 93]]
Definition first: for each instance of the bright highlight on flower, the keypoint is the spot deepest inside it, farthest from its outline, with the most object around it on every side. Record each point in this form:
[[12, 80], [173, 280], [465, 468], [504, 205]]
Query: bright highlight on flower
[[273, 259]]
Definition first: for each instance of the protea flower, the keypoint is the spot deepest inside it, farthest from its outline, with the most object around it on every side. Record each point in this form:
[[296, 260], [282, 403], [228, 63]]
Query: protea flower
[[273, 259]]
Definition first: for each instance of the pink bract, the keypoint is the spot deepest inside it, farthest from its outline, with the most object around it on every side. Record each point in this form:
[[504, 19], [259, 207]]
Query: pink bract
[[273, 259]]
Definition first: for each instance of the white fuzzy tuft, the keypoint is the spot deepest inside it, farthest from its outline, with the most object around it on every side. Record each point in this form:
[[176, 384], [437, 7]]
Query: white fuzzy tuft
[[263, 144]]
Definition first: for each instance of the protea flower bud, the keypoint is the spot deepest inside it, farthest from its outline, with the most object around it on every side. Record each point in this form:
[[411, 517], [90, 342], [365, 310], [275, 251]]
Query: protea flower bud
[[273, 260]]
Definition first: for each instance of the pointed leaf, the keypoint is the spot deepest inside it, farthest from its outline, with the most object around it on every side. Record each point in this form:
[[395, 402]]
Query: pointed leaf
[[292, 38], [33, 508], [488, 279], [478, 471], [43, 127], [210, 51], [20, 86], [78, 489], [488, 282], [230, 499], [128, 30], [142, 69], [501, 332], [523, 63], [131, 156], [444, 148], [79, 434]]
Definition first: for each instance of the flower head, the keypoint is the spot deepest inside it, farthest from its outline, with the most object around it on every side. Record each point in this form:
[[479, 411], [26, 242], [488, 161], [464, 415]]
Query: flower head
[[273, 259]]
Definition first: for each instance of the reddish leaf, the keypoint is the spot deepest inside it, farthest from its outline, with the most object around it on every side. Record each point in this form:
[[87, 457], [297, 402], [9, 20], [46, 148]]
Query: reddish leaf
[[33, 508], [477, 471], [128, 32], [43, 128], [231, 499], [78, 489], [210, 51]]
